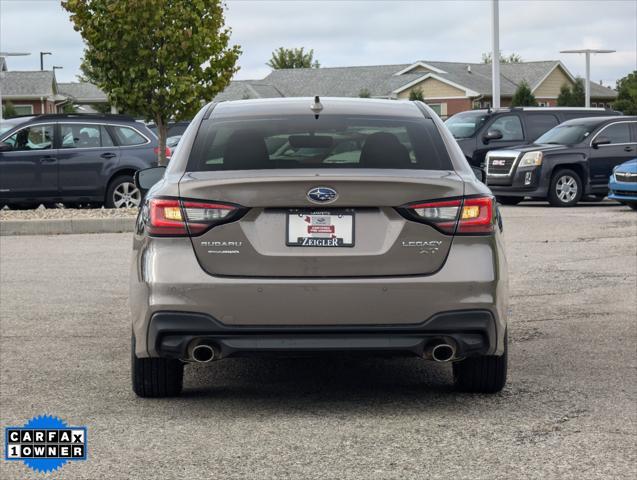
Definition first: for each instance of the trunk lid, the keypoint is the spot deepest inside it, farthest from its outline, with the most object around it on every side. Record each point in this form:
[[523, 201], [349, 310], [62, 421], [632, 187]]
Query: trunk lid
[[382, 241]]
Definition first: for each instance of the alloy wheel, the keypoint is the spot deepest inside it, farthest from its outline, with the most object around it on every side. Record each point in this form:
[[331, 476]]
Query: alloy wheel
[[126, 195], [566, 188]]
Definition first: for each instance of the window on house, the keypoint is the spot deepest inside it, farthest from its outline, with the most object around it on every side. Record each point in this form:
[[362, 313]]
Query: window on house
[[23, 109], [436, 107]]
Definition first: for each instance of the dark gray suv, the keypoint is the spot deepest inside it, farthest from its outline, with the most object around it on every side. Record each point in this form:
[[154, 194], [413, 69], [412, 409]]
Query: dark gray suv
[[73, 159], [305, 225]]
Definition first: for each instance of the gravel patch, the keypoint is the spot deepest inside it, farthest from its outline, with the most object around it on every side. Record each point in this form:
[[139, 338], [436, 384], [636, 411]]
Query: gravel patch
[[42, 213]]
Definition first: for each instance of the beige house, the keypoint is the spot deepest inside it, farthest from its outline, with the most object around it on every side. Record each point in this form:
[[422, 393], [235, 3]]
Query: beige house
[[448, 87]]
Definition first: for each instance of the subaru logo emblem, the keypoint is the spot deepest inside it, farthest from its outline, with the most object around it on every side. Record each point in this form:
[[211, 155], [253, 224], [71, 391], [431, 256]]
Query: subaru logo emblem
[[322, 195]]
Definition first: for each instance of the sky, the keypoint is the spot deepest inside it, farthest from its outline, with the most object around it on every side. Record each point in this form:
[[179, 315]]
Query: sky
[[362, 32]]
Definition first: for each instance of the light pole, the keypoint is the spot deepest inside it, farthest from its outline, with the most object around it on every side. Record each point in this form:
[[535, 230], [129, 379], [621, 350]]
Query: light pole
[[495, 54], [42, 54], [3, 66], [55, 67], [587, 52]]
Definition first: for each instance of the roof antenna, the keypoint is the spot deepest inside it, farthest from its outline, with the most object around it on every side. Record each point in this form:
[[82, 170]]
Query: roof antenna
[[317, 107]]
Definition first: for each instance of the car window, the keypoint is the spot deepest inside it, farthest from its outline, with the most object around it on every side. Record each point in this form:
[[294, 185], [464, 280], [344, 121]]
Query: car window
[[539, 123], [617, 133], [127, 136], [35, 137], [465, 124], [78, 135], [567, 134], [510, 127], [326, 142]]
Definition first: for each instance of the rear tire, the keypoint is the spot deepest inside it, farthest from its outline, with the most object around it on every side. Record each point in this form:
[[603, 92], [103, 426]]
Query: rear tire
[[565, 189], [122, 193], [632, 205], [156, 377], [509, 200], [483, 374]]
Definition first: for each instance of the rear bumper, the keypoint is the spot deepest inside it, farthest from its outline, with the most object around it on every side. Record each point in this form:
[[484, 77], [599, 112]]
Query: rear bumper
[[166, 278], [471, 332]]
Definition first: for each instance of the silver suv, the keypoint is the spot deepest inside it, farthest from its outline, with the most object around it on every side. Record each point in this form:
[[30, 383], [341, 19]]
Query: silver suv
[[317, 225]]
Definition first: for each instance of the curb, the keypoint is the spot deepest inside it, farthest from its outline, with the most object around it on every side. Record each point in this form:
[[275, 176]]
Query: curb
[[66, 226]]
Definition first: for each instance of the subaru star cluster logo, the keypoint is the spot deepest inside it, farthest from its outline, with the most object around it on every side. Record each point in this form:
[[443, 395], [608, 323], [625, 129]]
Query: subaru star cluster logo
[[322, 195]]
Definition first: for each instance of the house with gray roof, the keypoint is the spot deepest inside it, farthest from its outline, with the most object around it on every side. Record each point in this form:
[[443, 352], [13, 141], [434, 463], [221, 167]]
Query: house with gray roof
[[31, 92], [448, 87], [84, 95]]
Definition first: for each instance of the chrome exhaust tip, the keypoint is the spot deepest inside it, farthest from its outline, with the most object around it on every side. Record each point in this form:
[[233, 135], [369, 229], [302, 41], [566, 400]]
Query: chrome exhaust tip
[[443, 352], [203, 353]]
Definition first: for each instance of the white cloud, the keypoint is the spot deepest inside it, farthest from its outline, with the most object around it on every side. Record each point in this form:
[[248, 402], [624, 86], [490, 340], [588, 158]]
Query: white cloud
[[371, 32]]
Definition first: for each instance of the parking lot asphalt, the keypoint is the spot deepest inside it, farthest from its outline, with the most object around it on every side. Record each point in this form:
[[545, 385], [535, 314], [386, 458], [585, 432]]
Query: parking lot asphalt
[[568, 411]]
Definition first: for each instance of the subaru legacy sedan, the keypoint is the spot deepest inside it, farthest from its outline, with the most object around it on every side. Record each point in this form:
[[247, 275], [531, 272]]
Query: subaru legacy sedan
[[310, 226]]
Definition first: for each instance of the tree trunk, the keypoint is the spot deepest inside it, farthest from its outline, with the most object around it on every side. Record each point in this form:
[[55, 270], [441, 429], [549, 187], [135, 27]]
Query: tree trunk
[[162, 130]]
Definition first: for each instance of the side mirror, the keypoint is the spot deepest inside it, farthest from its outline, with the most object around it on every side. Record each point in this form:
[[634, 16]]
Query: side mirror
[[145, 179], [480, 173], [492, 135], [5, 147], [601, 140]]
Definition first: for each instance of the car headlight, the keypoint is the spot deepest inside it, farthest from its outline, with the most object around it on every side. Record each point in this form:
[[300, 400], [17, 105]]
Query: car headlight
[[531, 159]]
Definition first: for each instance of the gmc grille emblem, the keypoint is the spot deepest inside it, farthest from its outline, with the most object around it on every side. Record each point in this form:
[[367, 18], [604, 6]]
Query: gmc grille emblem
[[498, 163]]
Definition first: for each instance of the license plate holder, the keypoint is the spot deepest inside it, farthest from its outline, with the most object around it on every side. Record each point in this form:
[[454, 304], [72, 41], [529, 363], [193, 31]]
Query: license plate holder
[[319, 228]]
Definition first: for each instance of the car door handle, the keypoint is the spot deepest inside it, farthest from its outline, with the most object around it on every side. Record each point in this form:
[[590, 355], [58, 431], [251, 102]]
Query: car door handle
[[108, 155], [628, 149], [48, 159]]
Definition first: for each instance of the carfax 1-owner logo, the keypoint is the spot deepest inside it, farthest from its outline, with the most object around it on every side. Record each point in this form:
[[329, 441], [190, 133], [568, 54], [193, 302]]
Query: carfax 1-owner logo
[[45, 443]]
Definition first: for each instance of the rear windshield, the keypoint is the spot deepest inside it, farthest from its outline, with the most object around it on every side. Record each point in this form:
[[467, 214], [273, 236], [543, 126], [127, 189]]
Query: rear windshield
[[326, 142]]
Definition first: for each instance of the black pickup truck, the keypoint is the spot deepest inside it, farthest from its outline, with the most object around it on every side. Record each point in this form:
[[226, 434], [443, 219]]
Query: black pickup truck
[[573, 159]]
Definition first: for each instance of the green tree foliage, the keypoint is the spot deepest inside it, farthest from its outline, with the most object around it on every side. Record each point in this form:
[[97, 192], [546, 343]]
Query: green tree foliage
[[416, 94], [523, 97], [627, 94], [8, 110], [292, 58], [572, 97], [512, 58], [69, 108], [365, 93], [564, 99], [161, 58]]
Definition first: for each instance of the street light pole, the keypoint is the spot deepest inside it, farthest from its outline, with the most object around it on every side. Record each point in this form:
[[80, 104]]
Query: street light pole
[[42, 54], [495, 54], [587, 52], [3, 65]]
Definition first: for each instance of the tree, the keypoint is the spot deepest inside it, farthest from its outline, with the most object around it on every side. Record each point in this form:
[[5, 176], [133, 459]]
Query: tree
[[579, 93], [364, 93], [565, 98], [69, 108], [512, 58], [292, 58], [523, 97], [416, 94], [161, 58], [572, 97], [8, 110], [627, 94]]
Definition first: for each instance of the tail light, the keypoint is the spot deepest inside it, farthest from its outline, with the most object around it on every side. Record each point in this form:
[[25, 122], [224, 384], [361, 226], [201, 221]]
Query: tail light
[[467, 216], [172, 217], [168, 152]]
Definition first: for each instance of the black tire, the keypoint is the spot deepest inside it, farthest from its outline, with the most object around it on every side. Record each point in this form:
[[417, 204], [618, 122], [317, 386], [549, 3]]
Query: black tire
[[483, 374], [509, 200], [113, 197], [632, 205], [565, 189], [156, 377]]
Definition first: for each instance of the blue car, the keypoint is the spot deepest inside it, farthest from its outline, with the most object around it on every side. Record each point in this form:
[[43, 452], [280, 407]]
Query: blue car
[[623, 183]]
